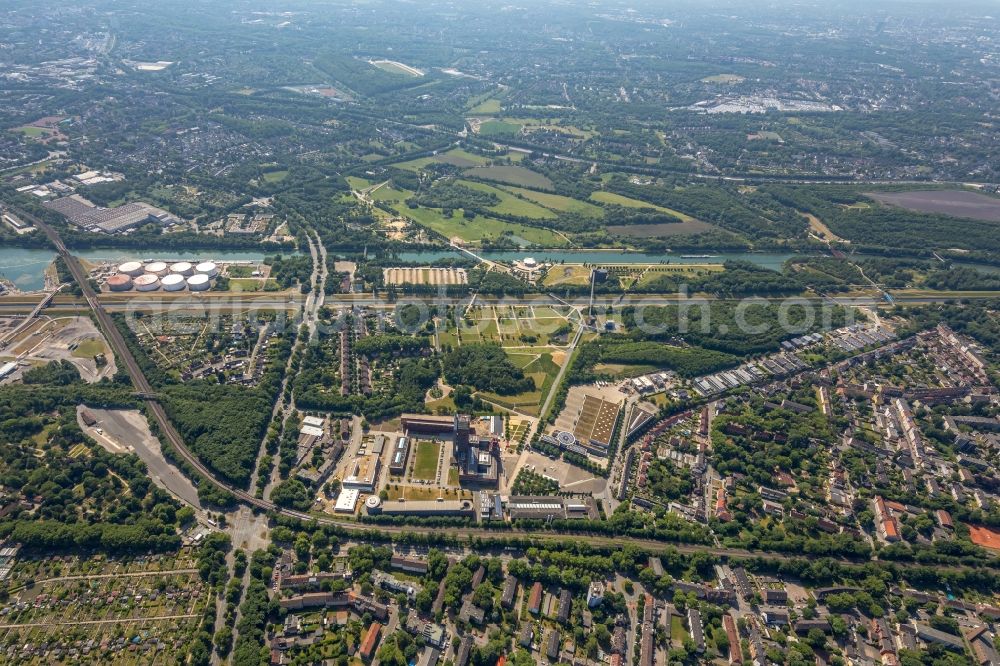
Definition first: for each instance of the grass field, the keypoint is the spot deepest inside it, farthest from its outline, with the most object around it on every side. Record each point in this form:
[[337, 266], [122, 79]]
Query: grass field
[[567, 274], [478, 228], [455, 157], [677, 631], [493, 128], [275, 176], [358, 183], [558, 202], [509, 204], [628, 202], [512, 175], [542, 370], [89, 349], [487, 107], [723, 78], [651, 273], [404, 492], [384, 193], [252, 284], [526, 335], [30, 130], [425, 460]]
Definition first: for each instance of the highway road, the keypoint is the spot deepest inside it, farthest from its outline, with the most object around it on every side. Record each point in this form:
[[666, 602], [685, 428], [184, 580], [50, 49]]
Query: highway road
[[23, 304]]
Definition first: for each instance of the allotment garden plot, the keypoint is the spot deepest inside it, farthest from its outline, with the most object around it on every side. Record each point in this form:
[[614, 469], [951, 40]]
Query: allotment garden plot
[[123, 612]]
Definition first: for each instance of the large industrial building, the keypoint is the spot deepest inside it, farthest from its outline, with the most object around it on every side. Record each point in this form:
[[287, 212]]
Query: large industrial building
[[397, 464], [87, 215], [478, 460], [364, 474], [425, 508], [523, 507]]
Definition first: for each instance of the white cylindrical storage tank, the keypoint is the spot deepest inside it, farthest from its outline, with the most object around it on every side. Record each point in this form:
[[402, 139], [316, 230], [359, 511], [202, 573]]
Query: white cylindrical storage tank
[[207, 268], [182, 268], [147, 282], [119, 282], [157, 268], [198, 282], [131, 268], [173, 282]]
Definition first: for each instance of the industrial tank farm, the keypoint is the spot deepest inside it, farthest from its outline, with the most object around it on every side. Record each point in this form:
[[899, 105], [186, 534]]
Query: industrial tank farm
[[157, 268], [119, 282], [131, 268], [198, 282], [147, 282], [207, 268], [173, 282], [150, 276]]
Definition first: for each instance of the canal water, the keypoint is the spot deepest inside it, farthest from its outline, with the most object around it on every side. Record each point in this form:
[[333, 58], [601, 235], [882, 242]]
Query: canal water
[[26, 267]]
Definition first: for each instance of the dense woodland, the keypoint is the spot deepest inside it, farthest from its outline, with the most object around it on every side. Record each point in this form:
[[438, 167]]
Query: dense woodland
[[68, 493], [486, 368]]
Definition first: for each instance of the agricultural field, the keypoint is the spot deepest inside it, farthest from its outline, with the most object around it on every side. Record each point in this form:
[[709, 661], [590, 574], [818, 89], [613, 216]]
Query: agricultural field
[[512, 175], [956, 203]]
